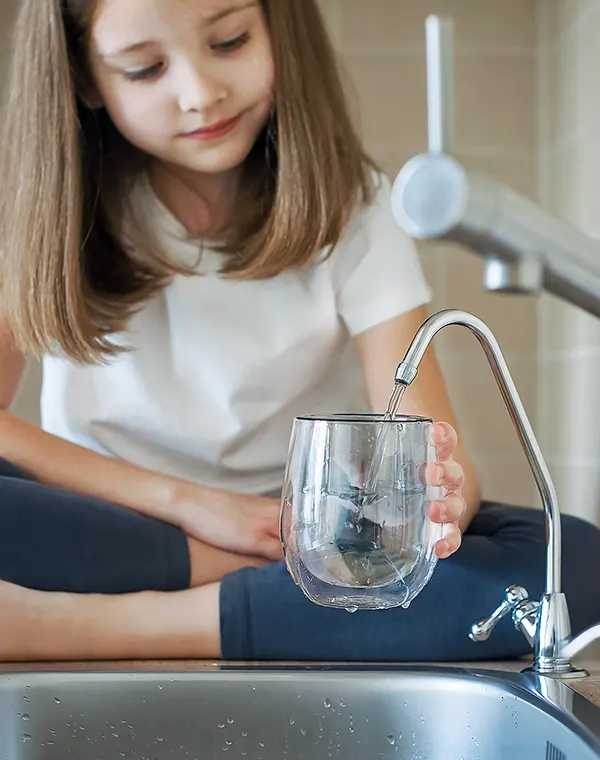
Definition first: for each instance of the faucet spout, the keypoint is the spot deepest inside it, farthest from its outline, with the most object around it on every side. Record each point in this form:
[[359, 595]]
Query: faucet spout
[[549, 624]]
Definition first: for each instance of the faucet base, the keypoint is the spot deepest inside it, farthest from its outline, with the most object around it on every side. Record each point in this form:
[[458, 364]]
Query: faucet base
[[570, 674]]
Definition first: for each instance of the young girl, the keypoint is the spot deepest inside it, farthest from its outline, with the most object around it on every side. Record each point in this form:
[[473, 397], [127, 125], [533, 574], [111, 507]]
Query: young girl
[[196, 243]]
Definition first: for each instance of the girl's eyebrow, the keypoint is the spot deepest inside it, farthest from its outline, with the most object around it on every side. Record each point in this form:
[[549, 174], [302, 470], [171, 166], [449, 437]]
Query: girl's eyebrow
[[223, 13]]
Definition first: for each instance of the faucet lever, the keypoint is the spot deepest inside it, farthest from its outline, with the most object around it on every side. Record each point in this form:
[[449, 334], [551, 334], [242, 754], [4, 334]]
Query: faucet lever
[[514, 596]]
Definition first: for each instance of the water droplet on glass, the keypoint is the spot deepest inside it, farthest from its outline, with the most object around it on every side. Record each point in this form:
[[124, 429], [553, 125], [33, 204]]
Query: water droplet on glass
[[159, 686], [261, 744], [303, 731], [342, 703], [229, 744], [244, 733], [114, 734], [159, 739], [391, 739], [405, 605], [25, 700], [25, 716], [221, 725], [327, 703], [26, 737], [292, 721], [230, 721], [57, 700], [351, 729], [352, 609]]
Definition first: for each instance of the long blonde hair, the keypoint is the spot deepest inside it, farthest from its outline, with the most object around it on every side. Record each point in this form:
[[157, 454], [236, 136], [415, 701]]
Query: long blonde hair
[[66, 276]]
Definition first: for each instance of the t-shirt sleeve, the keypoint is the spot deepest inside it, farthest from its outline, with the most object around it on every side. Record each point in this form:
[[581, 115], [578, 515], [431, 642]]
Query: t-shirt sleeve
[[375, 268]]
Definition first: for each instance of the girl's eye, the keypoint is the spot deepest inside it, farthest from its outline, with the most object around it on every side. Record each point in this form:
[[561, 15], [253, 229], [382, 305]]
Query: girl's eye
[[139, 75], [230, 45]]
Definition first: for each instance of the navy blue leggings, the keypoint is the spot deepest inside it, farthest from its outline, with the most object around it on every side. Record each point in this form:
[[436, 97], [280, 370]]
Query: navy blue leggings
[[52, 539]]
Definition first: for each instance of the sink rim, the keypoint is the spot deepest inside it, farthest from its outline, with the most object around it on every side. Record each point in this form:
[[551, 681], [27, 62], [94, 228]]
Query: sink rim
[[574, 712], [550, 695]]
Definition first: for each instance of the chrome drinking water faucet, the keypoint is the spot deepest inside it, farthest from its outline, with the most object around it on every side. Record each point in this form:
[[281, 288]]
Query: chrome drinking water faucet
[[545, 624]]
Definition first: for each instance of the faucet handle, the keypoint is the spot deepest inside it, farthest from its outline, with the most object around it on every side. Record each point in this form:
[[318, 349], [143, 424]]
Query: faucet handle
[[514, 596]]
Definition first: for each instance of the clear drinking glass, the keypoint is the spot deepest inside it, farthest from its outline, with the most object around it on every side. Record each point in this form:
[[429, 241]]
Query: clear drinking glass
[[355, 525]]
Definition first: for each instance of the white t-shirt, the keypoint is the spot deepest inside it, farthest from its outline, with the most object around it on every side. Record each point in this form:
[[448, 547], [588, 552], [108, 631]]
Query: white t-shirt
[[220, 367]]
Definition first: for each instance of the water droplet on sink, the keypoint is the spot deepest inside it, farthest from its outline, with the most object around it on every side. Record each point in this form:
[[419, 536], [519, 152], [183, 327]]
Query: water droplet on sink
[[159, 686], [25, 700], [25, 716], [391, 739], [159, 739], [261, 744], [303, 731], [351, 729], [342, 703], [26, 738], [327, 703], [221, 725], [57, 700], [292, 721], [244, 733]]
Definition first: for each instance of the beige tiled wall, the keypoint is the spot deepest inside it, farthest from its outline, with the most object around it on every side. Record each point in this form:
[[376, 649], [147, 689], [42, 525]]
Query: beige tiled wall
[[382, 43], [569, 155]]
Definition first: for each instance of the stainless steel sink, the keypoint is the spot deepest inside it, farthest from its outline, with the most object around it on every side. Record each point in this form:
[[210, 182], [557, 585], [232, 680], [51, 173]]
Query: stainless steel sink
[[294, 713]]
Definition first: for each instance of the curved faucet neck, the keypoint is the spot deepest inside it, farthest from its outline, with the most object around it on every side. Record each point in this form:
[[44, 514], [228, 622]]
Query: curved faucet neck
[[406, 373]]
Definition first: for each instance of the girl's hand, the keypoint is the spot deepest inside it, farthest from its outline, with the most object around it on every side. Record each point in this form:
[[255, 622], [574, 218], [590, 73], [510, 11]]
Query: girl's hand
[[448, 474], [235, 522]]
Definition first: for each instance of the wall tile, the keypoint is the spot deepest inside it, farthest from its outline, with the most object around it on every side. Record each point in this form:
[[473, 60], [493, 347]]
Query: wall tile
[[489, 26], [393, 24]]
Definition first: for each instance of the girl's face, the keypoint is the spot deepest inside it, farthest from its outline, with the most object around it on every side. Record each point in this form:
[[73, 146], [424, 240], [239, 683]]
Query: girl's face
[[189, 82]]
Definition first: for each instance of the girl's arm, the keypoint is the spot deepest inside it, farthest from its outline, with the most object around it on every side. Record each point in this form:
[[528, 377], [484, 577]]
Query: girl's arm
[[238, 523]]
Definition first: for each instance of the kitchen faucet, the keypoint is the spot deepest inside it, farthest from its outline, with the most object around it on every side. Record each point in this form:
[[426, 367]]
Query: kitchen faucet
[[545, 624], [525, 247]]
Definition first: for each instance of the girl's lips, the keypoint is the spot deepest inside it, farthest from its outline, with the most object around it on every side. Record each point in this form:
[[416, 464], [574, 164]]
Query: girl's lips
[[216, 130]]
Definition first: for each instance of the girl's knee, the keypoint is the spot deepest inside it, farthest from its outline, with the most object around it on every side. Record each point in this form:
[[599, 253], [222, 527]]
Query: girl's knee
[[576, 529]]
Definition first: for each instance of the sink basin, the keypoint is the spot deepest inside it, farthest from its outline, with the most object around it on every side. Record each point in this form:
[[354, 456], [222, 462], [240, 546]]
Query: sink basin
[[294, 713]]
